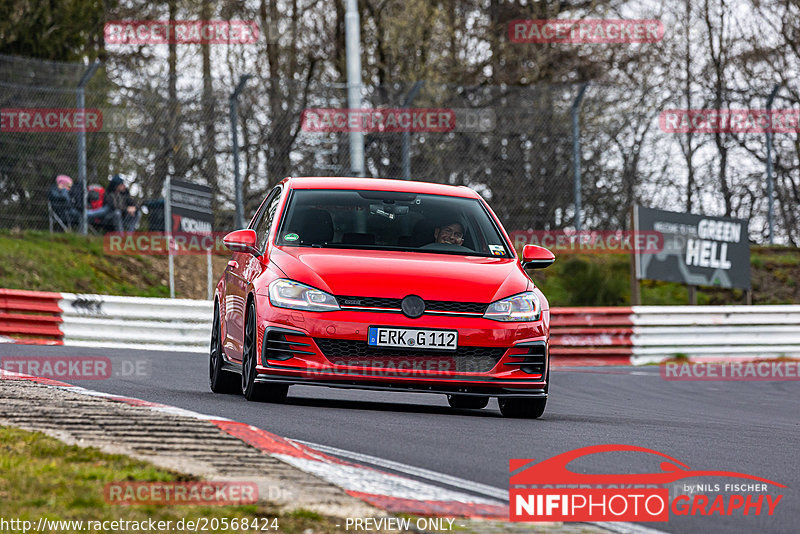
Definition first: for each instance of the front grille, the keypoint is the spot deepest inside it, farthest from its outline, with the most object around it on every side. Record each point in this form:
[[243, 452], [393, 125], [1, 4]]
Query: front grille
[[461, 307], [461, 360], [430, 305], [369, 302]]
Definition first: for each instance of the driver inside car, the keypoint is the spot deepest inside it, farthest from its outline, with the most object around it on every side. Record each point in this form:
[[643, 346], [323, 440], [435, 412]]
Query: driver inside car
[[452, 233]]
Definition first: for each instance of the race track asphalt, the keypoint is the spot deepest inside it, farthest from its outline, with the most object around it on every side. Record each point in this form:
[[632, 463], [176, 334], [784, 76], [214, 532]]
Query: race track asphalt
[[747, 427]]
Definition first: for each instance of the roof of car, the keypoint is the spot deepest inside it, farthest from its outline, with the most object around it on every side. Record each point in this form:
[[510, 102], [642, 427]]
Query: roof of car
[[380, 184]]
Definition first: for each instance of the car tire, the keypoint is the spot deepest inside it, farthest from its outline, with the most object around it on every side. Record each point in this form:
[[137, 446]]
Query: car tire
[[252, 391], [467, 402], [525, 408], [219, 380], [522, 408]]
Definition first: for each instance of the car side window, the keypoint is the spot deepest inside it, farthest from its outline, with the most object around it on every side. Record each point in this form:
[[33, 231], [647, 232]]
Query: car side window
[[263, 226]]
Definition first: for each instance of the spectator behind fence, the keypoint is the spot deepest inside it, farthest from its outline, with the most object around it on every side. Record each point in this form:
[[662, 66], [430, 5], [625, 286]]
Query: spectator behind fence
[[123, 213], [60, 200], [96, 210]]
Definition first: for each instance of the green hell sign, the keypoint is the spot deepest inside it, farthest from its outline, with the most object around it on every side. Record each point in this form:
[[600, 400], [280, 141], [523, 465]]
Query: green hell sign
[[698, 250]]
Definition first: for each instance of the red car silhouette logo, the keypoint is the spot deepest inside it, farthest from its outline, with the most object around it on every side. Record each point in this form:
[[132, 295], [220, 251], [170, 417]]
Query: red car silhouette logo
[[554, 470]]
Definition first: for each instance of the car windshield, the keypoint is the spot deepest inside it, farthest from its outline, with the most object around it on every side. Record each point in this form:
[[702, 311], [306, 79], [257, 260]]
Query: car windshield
[[390, 221]]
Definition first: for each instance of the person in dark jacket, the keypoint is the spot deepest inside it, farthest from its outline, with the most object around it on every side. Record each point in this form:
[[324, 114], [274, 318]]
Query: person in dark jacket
[[60, 200], [123, 213]]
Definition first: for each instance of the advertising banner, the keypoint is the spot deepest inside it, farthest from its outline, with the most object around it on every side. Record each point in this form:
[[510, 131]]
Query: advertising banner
[[698, 250]]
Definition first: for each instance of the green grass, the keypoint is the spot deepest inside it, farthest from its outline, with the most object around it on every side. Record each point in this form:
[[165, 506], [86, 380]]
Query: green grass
[[74, 263], [787, 256], [582, 280], [43, 477]]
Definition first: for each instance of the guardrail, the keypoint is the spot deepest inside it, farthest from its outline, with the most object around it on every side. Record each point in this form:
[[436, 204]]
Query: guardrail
[[714, 332], [579, 336], [136, 322], [591, 336], [31, 316]]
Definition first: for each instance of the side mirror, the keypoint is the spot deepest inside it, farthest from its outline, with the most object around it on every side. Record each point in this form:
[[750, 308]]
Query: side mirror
[[242, 241], [536, 257]]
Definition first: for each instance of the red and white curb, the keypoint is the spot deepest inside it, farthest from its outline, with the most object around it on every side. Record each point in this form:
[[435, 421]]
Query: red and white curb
[[388, 491]]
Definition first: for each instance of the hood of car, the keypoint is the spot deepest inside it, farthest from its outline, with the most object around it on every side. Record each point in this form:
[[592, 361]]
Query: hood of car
[[395, 274]]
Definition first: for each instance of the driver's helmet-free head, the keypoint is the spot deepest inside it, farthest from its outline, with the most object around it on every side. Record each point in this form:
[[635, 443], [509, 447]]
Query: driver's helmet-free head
[[450, 229]]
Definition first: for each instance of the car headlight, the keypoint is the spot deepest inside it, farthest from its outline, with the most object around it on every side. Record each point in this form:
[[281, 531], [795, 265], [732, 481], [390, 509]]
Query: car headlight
[[522, 307], [285, 293]]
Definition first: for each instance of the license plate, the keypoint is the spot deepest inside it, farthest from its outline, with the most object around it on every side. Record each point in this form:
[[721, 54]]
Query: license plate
[[382, 336]]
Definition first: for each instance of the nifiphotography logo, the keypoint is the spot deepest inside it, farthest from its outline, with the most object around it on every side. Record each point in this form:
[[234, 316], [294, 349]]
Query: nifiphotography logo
[[549, 491]]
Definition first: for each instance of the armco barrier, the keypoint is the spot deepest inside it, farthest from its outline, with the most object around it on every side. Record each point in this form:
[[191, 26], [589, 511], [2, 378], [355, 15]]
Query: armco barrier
[[30, 316], [591, 336], [136, 322], [715, 332], [579, 336]]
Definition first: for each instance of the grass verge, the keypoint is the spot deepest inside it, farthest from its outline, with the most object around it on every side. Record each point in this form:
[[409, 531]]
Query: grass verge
[[45, 478], [72, 263]]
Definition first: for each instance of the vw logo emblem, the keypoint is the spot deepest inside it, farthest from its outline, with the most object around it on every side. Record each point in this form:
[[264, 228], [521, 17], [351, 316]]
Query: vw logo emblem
[[413, 306]]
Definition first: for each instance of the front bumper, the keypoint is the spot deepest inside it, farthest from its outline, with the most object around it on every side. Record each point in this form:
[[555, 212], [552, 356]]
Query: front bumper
[[330, 349], [409, 387]]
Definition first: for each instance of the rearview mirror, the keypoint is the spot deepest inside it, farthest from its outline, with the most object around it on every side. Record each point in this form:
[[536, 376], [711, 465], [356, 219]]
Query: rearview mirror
[[536, 257], [242, 241]]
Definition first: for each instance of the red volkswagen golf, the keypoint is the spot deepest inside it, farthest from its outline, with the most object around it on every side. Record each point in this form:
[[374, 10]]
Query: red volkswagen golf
[[381, 284]]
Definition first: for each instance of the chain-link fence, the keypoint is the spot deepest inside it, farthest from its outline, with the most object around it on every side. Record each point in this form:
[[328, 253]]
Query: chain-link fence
[[515, 145], [30, 160]]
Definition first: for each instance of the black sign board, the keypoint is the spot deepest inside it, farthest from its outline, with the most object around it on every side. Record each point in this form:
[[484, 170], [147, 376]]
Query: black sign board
[[699, 250], [191, 207]]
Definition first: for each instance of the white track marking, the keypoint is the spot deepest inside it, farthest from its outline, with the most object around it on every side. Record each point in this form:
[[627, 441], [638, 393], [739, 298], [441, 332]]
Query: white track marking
[[476, 487], [357, 478], [456, 482]]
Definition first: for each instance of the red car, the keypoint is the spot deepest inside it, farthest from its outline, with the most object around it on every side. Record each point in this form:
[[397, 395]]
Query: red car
[[381, 284]]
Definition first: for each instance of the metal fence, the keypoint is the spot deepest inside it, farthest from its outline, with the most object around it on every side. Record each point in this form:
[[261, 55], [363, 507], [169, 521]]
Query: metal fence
[[514, 145]]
